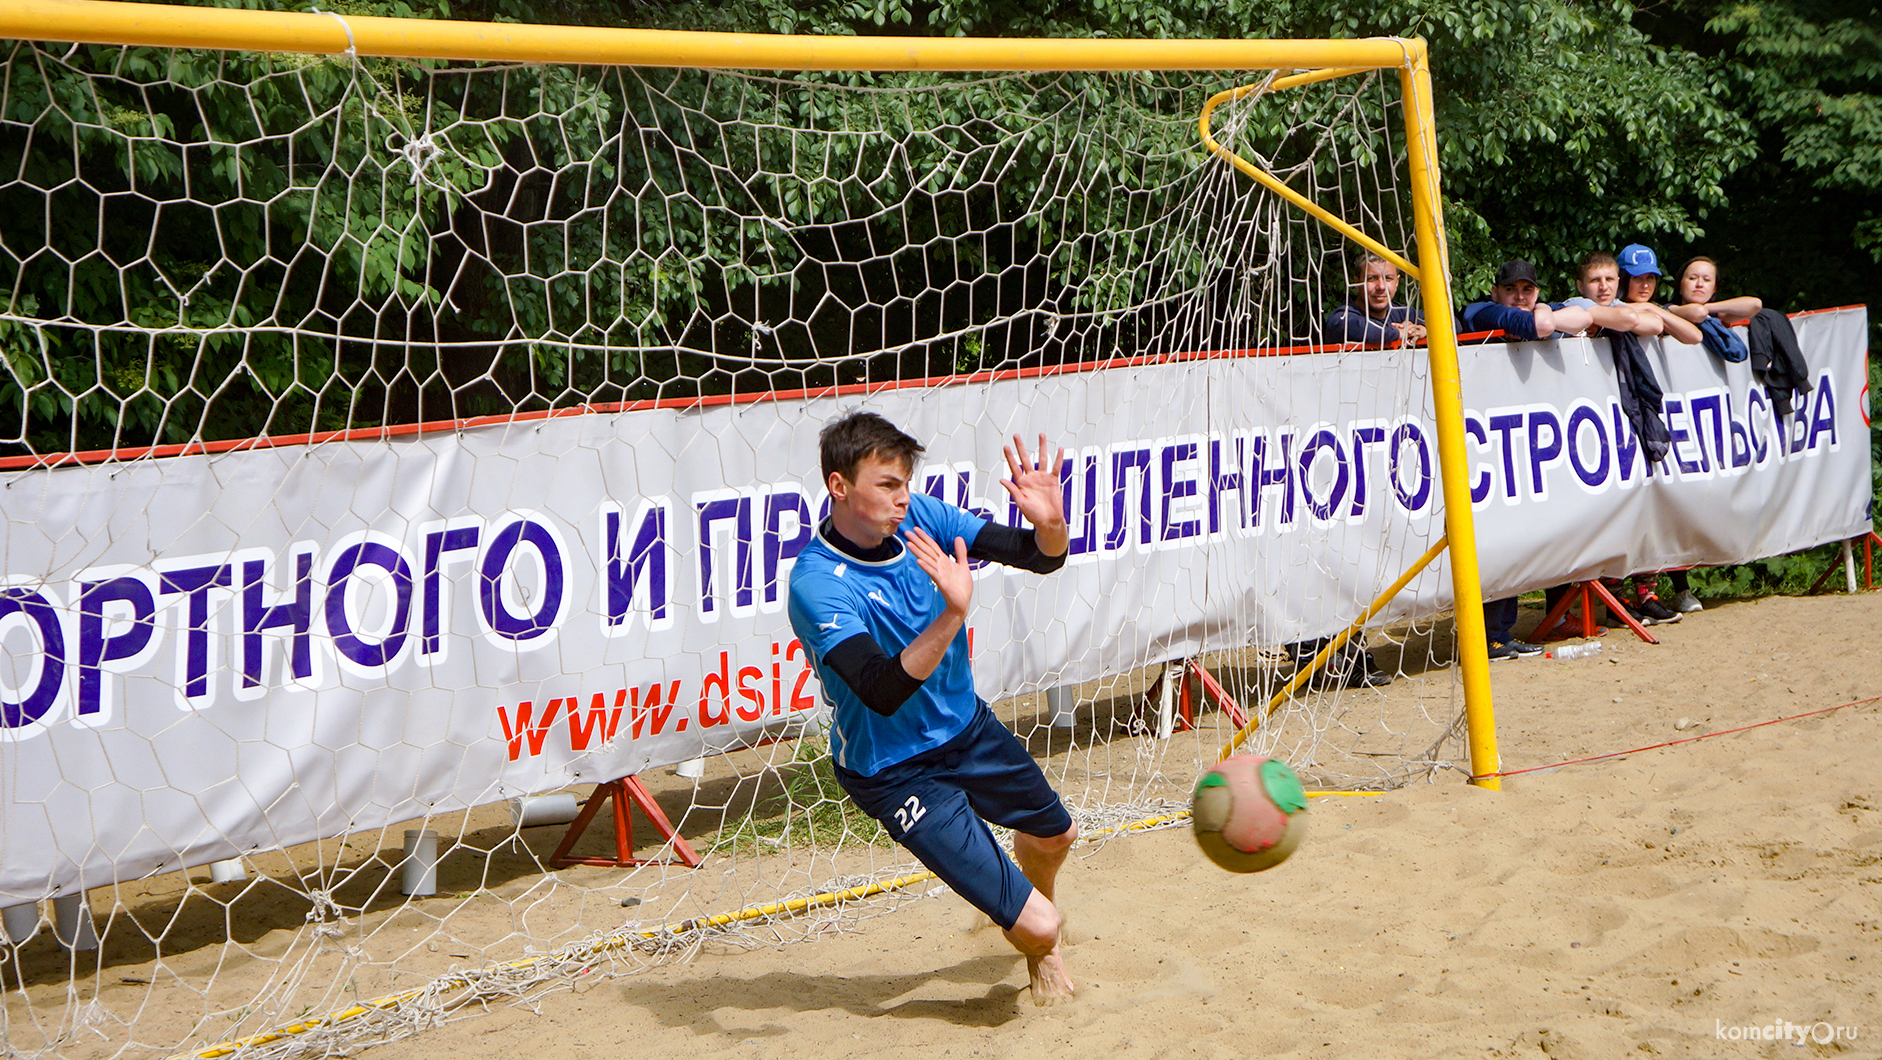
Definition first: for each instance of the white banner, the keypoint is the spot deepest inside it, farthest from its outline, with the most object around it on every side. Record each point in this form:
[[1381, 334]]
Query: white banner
[[204, 656]]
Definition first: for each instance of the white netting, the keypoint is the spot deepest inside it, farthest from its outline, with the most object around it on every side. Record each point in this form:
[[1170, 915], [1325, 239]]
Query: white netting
[[216, 254]]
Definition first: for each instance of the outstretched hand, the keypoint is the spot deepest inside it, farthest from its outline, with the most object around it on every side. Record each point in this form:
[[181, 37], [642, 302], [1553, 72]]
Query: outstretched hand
[[951, 574], [1034, 486]]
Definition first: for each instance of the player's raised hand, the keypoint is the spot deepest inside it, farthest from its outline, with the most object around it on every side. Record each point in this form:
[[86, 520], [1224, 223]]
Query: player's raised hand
[[951, 574], [1034, 486]]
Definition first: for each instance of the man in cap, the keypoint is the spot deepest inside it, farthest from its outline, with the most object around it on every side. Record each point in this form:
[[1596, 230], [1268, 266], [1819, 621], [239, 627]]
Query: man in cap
[[1600, 283], [1516, 308]]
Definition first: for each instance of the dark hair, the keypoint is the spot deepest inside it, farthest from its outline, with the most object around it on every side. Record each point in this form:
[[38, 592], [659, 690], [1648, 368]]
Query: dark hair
[[1690, 262], [1594, 260], [845, 443], [1628, 279]]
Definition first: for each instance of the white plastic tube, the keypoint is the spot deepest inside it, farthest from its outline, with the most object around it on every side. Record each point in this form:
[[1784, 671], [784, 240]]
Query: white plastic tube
[[22, 921], [532, 810], [71, 922], [421, 863], [231, 870], [1064, 706]]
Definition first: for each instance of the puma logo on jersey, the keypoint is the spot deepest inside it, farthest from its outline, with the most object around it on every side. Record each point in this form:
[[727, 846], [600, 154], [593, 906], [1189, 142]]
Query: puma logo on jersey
[[832, 624], [877, 597]]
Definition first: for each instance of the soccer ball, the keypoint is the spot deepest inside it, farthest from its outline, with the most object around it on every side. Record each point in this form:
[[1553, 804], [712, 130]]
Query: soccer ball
[[1249, 813]]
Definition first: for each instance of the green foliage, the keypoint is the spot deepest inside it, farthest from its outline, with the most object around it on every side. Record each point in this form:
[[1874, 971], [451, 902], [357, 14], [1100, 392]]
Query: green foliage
[[1565, 126], [1566, 130], [1817, 79], [228, 244], [1802, 223], [168, 210]]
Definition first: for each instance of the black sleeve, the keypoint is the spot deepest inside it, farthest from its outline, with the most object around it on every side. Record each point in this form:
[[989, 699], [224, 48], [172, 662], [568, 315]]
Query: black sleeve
[[1014, 546], [876, 677]]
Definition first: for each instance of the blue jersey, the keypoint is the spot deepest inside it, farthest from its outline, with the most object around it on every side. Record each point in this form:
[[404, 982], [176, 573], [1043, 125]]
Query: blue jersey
[[835, 596]]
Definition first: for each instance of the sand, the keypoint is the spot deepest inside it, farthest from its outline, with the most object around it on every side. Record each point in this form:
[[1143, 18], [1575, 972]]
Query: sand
[[1665, 903]]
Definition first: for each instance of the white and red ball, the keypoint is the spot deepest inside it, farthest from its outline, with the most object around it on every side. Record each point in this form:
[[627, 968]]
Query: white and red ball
[[1249, 813]]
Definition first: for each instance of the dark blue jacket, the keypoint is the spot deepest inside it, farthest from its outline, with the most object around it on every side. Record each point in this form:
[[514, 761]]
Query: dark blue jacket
[[1487, 316], [1351, 323]]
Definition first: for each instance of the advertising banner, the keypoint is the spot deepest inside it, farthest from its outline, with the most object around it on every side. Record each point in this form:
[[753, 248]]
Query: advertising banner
[[203, 656]]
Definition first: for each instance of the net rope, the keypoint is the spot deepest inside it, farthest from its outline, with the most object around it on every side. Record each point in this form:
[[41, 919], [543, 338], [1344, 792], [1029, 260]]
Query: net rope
[[205, 249]]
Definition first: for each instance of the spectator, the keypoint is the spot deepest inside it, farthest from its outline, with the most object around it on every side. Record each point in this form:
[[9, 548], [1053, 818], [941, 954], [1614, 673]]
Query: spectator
[[1642, 271], [1515, 308], [1699, 284], [1599, 279], [1770, 343], [1642, 268], [1600, 284], [1698, 288], [1368, 316]]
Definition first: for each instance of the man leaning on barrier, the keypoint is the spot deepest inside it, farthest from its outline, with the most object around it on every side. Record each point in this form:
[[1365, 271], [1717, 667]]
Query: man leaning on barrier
[[1369, 315], [1515, 307]]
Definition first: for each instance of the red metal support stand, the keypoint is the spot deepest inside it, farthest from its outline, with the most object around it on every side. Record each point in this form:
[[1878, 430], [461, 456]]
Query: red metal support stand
[[1869, 541], [626, 793], [1225, 702], [1205, 686], [1584, 593]]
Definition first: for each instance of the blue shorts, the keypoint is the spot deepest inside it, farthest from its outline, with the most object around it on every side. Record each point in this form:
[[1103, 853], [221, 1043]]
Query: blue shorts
[[935, 802]]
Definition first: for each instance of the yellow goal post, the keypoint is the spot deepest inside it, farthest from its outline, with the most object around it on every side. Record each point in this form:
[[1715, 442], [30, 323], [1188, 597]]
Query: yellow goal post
[[108, 22]]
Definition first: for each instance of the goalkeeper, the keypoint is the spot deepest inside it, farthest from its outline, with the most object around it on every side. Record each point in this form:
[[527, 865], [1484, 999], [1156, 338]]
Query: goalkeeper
[[884, 617]]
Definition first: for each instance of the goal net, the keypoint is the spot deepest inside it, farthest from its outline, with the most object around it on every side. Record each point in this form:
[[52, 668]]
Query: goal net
[[396, 449]]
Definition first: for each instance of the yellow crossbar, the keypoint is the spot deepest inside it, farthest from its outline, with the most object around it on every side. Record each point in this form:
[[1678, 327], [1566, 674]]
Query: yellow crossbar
[[164, 25]]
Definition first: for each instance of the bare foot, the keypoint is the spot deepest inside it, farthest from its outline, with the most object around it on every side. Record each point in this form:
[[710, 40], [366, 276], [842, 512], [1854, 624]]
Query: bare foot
[[1050, 983]]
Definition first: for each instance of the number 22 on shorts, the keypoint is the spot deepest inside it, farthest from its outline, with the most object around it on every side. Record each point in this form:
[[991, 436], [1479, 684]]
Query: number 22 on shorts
[[908, 813]]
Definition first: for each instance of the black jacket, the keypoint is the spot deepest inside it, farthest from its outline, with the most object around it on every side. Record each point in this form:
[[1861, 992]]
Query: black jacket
[[1777, 360], [1641, 395]]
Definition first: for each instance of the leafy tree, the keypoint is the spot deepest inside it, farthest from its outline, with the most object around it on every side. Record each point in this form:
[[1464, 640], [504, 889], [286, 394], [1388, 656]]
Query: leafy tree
[[1801, 226], [1562, 126], [1565, 126], [199, 198]]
